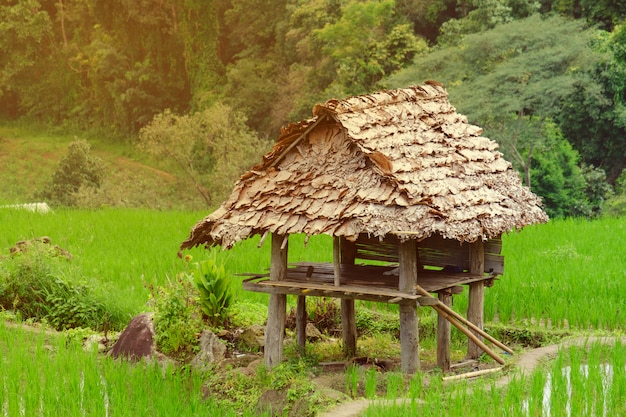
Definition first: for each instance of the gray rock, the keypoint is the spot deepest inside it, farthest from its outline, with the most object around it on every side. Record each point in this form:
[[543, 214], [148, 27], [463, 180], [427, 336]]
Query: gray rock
[[253, 338], [312, 333], [212, 350]]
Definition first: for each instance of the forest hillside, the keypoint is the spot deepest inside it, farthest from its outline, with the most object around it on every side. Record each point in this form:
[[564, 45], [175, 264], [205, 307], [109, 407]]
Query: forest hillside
[[207, 84]]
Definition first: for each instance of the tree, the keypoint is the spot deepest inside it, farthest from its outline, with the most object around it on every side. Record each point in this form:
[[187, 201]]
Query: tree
[[77, 169], [24, 32], [594, 113], [367, 43], [558, 179], [513, 81], [199, 31], [484, 15], [211, 147]]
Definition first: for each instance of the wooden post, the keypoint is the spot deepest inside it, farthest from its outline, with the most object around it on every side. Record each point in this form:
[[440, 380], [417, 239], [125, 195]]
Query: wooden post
[[443, 333], [476, 302], [277, 308], [301, 320], [348, 320], [409, 333]]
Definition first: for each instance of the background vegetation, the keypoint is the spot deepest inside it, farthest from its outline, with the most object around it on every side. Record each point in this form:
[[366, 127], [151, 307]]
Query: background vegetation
[[545, 78]]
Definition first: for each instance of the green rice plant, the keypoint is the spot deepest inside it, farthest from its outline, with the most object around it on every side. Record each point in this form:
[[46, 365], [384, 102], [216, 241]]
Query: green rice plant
[[352, 380], [395, 384], [215, 294], [44, 375], [371, 382]]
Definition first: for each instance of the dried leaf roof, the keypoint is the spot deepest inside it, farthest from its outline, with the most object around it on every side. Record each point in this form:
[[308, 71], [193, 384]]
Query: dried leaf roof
[[400, 162]]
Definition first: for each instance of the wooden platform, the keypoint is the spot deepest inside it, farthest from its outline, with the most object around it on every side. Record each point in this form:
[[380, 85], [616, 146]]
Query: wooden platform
[[363, 282]]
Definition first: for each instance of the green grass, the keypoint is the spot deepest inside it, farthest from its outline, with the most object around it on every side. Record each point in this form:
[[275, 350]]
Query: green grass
[[567, 271], [49, 375], [572, 272], [580, 381]]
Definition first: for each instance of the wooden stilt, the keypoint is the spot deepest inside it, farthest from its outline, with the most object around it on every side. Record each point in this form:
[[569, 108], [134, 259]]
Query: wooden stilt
[[301, 320], [443, 333], [476, 302], [348, 319], [409, 333], [277, 308]]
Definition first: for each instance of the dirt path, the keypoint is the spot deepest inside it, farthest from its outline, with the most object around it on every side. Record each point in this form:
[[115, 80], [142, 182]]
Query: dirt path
[[525, 363]]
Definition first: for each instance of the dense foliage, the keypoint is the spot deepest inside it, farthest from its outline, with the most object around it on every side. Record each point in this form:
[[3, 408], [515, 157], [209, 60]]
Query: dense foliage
[[528, 71], [38, 282]]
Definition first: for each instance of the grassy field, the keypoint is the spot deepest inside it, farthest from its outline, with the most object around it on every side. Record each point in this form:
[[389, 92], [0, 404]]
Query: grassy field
[[51, 375], [570, 272], [30, 155]]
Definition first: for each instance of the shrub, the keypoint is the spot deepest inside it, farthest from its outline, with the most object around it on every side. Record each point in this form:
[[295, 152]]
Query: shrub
[[177, 318], [77, 169], [40, 284], [215, 292]]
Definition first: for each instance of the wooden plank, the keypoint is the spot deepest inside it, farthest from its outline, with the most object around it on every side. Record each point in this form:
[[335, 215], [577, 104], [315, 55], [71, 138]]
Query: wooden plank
[[472, 374], [277, 307], [336, 261], [463, 320], [348, 327], [352, 289], [409, 332], [370, 277], [476, 301]]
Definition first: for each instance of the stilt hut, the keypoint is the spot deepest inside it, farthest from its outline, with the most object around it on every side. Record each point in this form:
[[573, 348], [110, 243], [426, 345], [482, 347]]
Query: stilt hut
[[399, 177]]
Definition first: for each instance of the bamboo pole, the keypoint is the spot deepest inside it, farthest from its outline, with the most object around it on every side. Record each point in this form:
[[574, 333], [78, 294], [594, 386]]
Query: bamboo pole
[[471, 374], [463, 320], [469, 334]]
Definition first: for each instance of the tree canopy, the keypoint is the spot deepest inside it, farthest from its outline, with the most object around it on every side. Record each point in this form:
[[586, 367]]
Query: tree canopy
[[528, 71]]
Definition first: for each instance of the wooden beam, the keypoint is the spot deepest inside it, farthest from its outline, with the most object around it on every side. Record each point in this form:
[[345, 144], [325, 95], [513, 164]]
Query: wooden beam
[[473, 374], [476, 302], [301, 320], [409, 333], [348, 313], [296, 141], [443, 333], [277, 308], [337, 260]]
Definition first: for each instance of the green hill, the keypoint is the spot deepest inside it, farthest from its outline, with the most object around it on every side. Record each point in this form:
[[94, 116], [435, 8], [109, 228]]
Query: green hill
[[28, 159]]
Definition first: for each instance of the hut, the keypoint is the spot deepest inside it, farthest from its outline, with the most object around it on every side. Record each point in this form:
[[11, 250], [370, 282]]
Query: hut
[[396, 176]]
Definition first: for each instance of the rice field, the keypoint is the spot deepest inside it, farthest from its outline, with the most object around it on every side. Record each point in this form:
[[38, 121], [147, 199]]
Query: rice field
[[580, 381], [568, 273], [51, 375], [571, 272]]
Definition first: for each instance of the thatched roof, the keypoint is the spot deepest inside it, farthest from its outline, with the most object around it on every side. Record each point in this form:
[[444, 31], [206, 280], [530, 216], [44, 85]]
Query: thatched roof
[[400, 162]]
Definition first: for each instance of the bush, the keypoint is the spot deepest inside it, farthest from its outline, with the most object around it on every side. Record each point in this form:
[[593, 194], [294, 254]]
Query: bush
[[616, 204], [77, 170], [40, 284], [177, 318]]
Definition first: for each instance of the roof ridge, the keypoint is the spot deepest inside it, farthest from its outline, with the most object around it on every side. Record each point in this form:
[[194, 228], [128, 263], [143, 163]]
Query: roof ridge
[[430, 89]]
